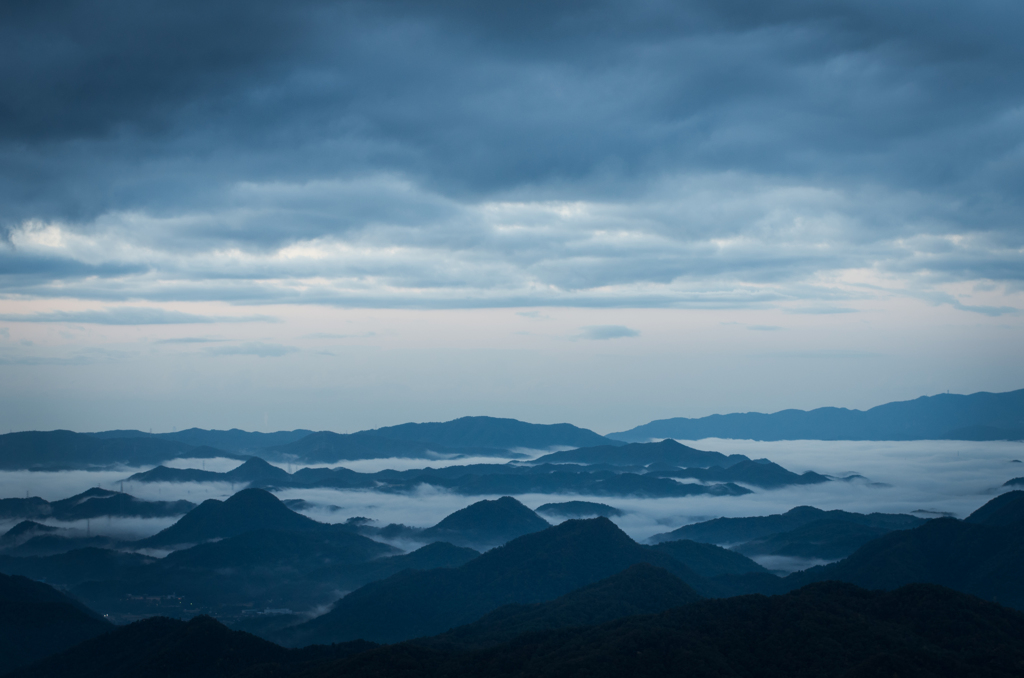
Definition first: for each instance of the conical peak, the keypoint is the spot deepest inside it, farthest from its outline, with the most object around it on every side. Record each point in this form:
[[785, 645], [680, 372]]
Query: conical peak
[[253, 496]]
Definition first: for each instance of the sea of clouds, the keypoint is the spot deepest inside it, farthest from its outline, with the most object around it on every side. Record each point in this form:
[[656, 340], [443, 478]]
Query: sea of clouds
[[930, 478]]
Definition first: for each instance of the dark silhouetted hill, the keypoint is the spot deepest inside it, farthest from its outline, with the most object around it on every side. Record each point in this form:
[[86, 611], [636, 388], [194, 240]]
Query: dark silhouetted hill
[[504, 434], [170, 648], [533, 568], [37, 621], [639, 589], [61, 450], [328, 447], [980, 416], [469, 480], [163, 474], [250, 509], [297, 571], [821, 539], [760, 473], [75, 566], [24, 531], [709, 560], [234, 440], [579, 509], [822, 631], [92, 503], [1006, 509], [58, 542], [253, 471], [983, 557], [267, 548], [742, 530], [642, 454], [486, 523]]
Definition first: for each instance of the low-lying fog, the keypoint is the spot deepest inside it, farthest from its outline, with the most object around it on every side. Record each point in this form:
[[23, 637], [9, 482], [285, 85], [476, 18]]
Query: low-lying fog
[[928, 477]]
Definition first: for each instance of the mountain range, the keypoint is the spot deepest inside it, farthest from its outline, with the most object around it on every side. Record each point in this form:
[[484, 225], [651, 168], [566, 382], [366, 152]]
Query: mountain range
[[616, 479], [639, 622], [980, 416], [802, 532], [92, 503], [567, 594]]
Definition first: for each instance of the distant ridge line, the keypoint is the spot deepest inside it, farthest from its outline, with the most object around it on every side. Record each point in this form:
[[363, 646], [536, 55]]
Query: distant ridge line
[[979, 416]]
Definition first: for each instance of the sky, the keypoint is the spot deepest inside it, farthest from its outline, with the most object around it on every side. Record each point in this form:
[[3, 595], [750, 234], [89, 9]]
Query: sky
[[344, 215]]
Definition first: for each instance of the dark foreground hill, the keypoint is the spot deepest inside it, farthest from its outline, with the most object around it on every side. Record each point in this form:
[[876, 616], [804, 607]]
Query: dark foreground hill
[[170, 648], [821, 631], [640, 589], [534, 568], [982, 555], [980, 416], [36, 621]]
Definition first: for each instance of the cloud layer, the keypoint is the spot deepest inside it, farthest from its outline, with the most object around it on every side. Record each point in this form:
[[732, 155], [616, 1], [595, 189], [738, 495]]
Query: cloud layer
[[451, 154]]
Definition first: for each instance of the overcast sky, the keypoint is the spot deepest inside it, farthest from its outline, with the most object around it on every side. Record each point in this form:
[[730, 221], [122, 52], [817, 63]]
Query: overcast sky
[[340, 215]]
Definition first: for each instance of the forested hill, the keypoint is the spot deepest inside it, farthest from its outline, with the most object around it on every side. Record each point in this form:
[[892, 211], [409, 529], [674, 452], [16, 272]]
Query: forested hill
[[980, 416]]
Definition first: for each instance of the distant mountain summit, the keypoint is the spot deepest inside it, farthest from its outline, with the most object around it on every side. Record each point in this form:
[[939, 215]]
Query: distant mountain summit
[[234, 440], [61, 450], [579, 509], [980, 416], [492, 432], [486, 523], [468, 436], [250, 509], [667, 452]]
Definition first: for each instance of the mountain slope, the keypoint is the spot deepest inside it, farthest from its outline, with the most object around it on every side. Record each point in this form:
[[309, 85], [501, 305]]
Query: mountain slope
[[980, 416], [234, 440], [641, 454], [492, 432], [37, 621], [248, 510], [533, 568], [983, 559], [709, 560], [741, 530], [60, 450], [760, 473], [328, 447], [639, 589], [169, 648], [823, 631]]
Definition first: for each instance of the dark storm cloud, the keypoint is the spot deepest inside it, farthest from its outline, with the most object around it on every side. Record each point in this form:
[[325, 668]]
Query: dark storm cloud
[[442, 147]]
